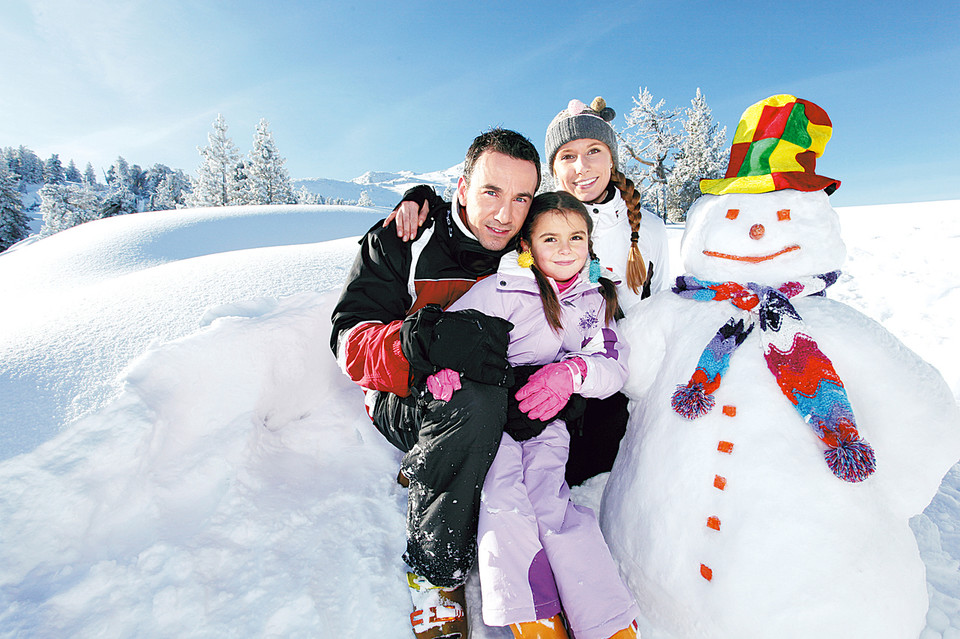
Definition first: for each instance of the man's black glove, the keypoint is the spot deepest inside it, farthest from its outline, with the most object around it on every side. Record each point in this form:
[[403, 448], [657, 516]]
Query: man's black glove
[[466, 341], [519, 425]]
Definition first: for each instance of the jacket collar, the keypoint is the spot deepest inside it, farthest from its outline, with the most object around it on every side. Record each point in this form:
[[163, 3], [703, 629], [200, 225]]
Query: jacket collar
[[466, 249]]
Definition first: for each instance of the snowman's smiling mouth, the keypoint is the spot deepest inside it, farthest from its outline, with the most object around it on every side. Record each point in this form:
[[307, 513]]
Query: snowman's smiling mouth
[[751, 258]]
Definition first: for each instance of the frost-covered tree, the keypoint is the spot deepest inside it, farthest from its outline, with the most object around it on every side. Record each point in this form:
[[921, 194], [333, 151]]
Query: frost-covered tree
[[11, 159], [66, 205], [171, 192], [216, 183], [667, 151], [72, 174], [53, 170], [364, 199], [267, 181], [90, 177], [240, 183], [119, 173], [702, 154], [648, 143], [306, 197], [14, 224], [139, 183], [120, 201], [29, 167]]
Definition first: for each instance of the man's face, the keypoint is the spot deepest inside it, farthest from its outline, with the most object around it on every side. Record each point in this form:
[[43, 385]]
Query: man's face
[[495, 202]]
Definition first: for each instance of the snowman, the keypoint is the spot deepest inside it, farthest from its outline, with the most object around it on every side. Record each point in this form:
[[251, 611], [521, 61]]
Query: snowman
[[779, 441]]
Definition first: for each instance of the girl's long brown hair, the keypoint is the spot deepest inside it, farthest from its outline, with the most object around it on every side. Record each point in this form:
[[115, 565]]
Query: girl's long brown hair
[[565, 204], [636, 265]]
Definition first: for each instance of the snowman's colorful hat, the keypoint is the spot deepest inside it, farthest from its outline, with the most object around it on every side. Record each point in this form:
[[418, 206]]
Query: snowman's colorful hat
[[776, 147]]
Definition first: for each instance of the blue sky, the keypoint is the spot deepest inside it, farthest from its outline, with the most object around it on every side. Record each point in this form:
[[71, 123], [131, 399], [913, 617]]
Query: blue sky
[[355, 86]]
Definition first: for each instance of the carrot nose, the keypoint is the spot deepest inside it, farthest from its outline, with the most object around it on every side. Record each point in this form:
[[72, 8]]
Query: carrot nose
[[757, 231]]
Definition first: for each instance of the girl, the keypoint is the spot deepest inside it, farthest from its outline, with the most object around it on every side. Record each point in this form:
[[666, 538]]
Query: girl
[[539, 554]]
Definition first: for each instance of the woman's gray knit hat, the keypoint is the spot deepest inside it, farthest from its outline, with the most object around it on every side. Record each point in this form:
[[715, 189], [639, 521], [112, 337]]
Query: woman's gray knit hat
[[580, 121]]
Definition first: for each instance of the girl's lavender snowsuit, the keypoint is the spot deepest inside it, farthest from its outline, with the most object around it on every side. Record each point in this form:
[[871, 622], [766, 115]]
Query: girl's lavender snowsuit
[[537, 550]]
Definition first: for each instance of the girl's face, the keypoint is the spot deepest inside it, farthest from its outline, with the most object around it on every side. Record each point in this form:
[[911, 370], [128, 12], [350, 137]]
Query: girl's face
[[559, 243], [583, 168]]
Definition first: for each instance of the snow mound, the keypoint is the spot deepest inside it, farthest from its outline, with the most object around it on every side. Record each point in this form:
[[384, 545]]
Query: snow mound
[[84, 302]]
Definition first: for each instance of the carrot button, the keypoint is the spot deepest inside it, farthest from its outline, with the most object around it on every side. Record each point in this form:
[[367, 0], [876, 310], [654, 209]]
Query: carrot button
[[725, 447], [730, 411], [719, 482], [713, 522], [706, 573]]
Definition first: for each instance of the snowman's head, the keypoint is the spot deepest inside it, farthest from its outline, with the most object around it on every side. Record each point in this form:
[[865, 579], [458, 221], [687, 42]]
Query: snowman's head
[[766, 238]]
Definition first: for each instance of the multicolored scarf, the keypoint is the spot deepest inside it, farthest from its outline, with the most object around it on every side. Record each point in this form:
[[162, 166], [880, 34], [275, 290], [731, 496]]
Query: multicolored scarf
[[805, 375]]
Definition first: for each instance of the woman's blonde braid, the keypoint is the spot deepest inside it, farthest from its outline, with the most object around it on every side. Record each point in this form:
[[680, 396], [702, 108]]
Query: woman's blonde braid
[[636, 265]]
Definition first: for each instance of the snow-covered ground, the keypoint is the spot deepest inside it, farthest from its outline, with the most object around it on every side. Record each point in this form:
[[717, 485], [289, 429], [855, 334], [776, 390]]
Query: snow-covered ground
[[181, 457]]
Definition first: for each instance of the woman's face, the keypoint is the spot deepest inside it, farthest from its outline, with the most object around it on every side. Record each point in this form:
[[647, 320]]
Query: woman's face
[[560, 244], [583, 168]]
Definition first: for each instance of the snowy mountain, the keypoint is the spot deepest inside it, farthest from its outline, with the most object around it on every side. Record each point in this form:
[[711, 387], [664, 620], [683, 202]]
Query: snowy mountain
[[384, 188], [180, 457]]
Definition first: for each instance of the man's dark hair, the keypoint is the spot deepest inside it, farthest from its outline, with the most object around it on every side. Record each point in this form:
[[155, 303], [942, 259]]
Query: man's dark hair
[[501, 141]]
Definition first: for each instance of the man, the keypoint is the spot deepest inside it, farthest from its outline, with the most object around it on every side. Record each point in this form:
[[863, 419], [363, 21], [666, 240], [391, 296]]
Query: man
[[390, 333]]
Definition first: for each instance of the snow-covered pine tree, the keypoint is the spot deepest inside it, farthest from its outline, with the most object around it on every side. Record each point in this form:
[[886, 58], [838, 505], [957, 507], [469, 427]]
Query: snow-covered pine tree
[[31, 167], [171, 192], [53, 170], [216, 183], [90, 177], [72, 174], [138, 182], [240, 183], [66, 205], [120, 201], [306, 197], [267, 180], [119, 173], [14, 224], [702, 154], [648, 142], [12, 160], [365, 199]]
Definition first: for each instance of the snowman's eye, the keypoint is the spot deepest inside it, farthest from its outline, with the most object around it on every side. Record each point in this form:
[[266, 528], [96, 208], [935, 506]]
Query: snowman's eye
[[783, 215], [732, 214]]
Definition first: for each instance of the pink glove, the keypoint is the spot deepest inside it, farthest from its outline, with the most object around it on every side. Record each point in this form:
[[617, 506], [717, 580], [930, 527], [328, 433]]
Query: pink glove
[[549, 389], [442, 384]]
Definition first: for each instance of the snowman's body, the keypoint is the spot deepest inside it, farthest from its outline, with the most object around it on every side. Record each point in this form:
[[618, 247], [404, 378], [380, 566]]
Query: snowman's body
[[732, 524]]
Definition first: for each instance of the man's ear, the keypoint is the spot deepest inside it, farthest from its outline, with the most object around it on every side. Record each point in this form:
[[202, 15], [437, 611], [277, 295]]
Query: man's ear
[[462, 192]]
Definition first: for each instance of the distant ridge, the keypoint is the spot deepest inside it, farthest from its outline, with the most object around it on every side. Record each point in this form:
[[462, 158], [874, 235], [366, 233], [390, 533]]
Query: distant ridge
[[384, 188]]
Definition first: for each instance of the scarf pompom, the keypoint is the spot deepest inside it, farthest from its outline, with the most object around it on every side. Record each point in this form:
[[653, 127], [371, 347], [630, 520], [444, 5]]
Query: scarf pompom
[[851, 461], [691, 401]]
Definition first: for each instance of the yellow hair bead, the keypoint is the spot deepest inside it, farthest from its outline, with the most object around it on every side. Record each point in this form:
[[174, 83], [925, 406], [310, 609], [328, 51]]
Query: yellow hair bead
[[525, 259]]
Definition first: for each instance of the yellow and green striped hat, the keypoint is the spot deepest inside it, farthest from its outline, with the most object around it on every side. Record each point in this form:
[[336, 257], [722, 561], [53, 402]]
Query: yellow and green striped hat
[[776, 147]]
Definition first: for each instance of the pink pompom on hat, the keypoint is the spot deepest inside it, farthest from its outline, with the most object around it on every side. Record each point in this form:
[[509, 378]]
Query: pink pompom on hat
[[776, 147]]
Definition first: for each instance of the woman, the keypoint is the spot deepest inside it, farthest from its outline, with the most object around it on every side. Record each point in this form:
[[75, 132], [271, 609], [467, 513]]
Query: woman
[[581, 150]]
